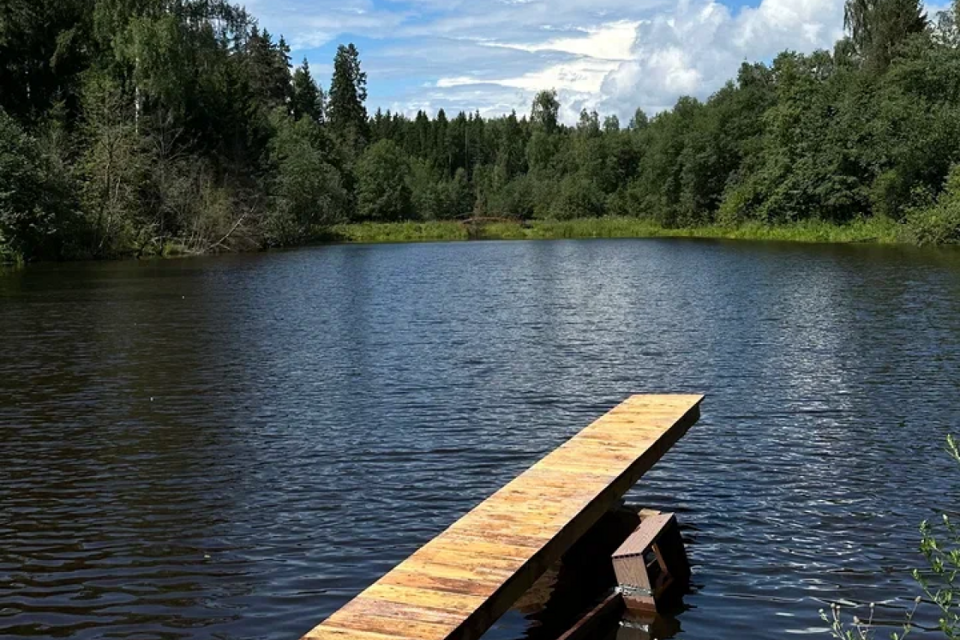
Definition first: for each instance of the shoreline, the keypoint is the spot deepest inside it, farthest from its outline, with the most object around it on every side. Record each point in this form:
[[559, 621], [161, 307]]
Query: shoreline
[[869, 231]]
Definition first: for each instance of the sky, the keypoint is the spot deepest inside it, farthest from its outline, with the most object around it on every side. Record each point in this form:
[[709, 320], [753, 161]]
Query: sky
[[492, 56]]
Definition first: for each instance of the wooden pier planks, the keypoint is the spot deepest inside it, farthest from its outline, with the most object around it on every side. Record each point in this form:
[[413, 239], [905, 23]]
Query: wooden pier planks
[[458, 584]]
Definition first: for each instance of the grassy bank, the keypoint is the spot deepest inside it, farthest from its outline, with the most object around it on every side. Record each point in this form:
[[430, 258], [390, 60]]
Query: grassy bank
[[879, 231], [871, 230]]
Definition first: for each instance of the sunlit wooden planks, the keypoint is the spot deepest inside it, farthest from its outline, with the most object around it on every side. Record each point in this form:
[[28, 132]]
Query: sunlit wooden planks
[[458, 584]]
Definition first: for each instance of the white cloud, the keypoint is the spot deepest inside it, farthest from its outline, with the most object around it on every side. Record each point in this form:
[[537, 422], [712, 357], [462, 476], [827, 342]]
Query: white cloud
[[612, 55], [691, 49], [608, 42], [696, 48], [582, 75]]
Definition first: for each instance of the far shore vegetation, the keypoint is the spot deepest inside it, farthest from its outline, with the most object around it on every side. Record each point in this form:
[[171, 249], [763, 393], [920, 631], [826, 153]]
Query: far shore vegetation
[[870, 230], [149, 127]]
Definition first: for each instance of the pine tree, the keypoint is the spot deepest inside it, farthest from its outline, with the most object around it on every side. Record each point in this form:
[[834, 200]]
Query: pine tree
[[511, 147], [307, 99], [346, 112], [268, 68], [421, 134], [441, 148]]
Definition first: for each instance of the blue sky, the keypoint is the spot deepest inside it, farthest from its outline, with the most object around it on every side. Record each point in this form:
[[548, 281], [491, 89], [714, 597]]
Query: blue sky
[[493, 55]]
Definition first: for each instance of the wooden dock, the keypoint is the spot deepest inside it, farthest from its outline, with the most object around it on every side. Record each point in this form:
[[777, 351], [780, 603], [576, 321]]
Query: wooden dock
[[458, 584]]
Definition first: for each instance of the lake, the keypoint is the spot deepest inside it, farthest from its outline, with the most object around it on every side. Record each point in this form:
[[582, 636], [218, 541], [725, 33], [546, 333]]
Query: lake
[[233, 447]]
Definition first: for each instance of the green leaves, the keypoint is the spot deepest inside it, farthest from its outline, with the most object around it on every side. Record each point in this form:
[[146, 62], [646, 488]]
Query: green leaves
[[383, 194], [36, 207], [878, 28], [545, 112], [940, 545], [939, 223], [306, 190]]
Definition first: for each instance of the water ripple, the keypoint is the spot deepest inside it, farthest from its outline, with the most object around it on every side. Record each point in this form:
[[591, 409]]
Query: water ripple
[[234, 447]]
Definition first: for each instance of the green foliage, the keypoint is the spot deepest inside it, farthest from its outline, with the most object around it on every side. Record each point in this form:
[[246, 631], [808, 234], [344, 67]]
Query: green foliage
[[307, 189], [153, 124], [545, 113], [542, 150], [879, 27], [639, 121], [383, 193], [608, 227], [45, 45], [37, 217], [579, 197], [940, 546], [267, 69], [455, 196], [517, 199], [111, 167], [307, 98], [434, 198], [164, 134], [938, 223], [157, 51], [348, 92], [409, 231]]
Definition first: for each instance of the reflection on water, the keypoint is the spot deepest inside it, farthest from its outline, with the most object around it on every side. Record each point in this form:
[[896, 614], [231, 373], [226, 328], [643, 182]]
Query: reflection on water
[[233, 447]]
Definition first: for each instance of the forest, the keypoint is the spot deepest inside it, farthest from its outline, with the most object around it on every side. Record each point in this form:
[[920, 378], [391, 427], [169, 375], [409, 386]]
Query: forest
[[146, 127]]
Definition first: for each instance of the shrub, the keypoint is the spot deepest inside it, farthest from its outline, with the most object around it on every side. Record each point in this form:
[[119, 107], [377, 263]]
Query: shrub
[[516, 199], [36, 212], [579, 197], [455, 197], [383, 194], [938, 223], [889, 194], [306, 190]]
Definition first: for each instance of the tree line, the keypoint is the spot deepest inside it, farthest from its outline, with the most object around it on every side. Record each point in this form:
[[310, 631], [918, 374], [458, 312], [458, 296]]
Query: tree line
[[132, 126]]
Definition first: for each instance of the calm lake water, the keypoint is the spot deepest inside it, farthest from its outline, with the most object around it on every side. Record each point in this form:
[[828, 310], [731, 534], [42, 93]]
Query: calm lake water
[[233, 447]]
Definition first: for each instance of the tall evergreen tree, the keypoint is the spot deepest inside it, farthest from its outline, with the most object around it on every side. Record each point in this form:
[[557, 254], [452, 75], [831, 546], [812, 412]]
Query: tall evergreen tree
[[268, 68], [44, 47], [346, 112], [441, 147], [307, 99], [511, 147]]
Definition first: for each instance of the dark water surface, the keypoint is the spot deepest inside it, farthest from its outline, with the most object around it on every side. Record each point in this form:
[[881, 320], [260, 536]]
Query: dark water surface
[[233, 447]]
